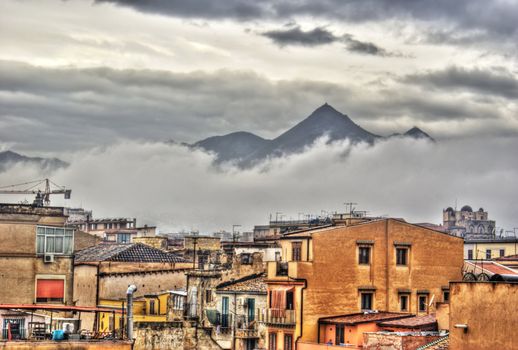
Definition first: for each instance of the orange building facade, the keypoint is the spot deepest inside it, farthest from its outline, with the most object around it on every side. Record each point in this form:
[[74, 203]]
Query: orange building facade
[[387, 265]]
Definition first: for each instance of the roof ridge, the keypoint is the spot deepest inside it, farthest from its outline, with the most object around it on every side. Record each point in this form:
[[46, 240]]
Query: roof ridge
[[239, 280]]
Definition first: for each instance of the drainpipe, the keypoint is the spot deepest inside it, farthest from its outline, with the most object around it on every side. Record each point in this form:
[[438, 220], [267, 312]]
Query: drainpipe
[[233, 345], [301, 312], [129, 294]]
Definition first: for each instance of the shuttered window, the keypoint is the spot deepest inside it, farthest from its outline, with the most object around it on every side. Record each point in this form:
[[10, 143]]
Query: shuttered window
[[50, 290]]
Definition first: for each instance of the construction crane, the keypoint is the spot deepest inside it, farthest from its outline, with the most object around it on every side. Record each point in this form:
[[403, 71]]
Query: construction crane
[[35, 187]]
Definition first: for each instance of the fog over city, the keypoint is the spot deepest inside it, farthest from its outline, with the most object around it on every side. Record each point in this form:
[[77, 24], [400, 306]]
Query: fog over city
[[115, 88]]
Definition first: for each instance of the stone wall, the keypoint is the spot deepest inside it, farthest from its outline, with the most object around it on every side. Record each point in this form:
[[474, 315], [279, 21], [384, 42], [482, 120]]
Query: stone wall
[[83, 240], [65, 345], [172, 336], [395, 341], [155, 242]]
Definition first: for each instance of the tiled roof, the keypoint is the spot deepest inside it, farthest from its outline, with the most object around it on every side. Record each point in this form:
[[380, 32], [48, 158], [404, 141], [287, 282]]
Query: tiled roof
[[410, 322], [125, 252], [495, 268], [509, 257], [439, 344], [354, 319], [252, 284]]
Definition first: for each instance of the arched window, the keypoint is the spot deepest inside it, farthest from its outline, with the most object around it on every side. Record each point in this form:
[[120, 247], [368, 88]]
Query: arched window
[[490, 229], [472, 229], [480, 229]]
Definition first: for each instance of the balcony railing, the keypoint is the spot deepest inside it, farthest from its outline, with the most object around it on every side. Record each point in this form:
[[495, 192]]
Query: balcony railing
[[278, 317], [247, 333], [15, 334]]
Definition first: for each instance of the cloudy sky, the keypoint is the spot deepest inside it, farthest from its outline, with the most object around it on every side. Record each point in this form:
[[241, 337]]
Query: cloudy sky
[[102, 83]]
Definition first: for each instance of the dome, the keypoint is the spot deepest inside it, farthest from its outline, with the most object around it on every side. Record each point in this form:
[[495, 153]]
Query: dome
[[481, 210], [449, 209], [466, 208]]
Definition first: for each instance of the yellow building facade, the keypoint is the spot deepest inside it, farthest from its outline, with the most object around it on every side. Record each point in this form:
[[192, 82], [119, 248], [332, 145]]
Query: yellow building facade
[[490, 249]]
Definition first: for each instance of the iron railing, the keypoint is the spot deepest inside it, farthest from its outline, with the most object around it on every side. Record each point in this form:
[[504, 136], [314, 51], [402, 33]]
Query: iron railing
[[277, 317], [20, 333]]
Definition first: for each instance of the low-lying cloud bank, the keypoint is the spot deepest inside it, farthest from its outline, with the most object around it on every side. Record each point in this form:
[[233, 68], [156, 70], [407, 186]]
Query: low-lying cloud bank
[[179, 188]]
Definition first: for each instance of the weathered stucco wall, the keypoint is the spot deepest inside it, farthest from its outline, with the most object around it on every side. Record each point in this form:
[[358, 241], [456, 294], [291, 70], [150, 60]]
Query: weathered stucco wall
[[114, 286], [19, 274], [489, 310], [334, 276]]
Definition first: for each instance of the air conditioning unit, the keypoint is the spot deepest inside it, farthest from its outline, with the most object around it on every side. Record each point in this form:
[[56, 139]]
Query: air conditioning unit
[[48, 258]]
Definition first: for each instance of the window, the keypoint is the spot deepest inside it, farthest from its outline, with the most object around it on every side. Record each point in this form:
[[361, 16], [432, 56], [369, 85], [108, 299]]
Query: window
[[446, 296], [208, 296], [366, 301], [54, 240], [422, 303], [403, 302], [288, 342], [50, 290], [246, 259], [151, 307], [123, 237], [272, 341], [289, 300], [250, 307], [401, 256], [502, 252], [224, 312], [340, 334], [470, 254], [364, 255], [296, 251], [488, 254]]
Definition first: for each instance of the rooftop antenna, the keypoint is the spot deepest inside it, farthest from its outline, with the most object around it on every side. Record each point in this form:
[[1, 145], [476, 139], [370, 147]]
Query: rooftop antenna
[[351, 208]]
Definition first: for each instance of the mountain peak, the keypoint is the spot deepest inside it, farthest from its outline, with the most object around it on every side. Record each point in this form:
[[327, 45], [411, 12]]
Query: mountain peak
[[417, 133]]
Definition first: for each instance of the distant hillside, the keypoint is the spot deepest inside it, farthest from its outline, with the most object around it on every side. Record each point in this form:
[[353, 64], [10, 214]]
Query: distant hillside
[[10, 158], [237, 145], [247, 149]]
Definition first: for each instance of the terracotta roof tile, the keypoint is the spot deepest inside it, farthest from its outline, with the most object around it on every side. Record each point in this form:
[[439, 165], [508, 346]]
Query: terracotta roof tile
[[125, 252], [252, 283], [411, 322], [439, 344], [353, 319], [495, 268]]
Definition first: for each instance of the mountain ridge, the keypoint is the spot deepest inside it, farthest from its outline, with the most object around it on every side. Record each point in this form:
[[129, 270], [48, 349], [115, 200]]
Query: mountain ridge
[[246, 149], [9, 158]]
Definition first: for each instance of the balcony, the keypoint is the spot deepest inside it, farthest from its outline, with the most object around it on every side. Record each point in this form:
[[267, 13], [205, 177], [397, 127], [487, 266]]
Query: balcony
[[277, 317], [247, 333]]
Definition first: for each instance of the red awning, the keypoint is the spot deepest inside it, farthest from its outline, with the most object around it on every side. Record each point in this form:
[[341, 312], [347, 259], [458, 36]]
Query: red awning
[[54, 307], [50, 288]]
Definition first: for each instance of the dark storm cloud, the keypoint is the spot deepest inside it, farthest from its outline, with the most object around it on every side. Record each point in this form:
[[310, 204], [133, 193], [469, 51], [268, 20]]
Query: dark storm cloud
[[321, 36], [296, 36], [69, 109], [362, 47], [497, 18], [496, 82]]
